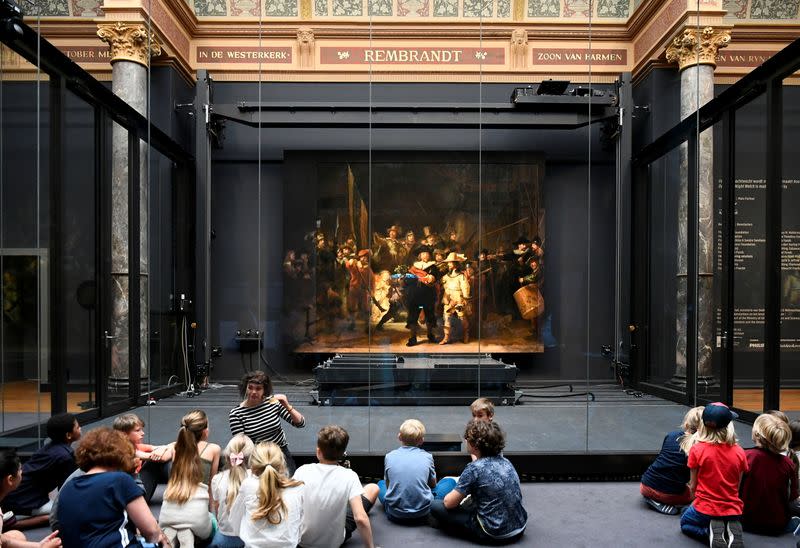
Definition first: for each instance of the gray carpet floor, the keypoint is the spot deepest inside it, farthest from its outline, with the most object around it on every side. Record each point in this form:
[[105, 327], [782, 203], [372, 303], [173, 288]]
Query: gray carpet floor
[[569, 515]]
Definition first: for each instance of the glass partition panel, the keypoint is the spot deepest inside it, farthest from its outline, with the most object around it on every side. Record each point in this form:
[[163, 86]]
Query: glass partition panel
[[712, 367], [749, 256], [165, 328], [664, 344], [79, 255], [25, 397], [790, 254]]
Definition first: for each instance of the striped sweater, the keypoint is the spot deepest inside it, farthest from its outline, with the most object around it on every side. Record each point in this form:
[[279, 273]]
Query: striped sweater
[[262, 422]]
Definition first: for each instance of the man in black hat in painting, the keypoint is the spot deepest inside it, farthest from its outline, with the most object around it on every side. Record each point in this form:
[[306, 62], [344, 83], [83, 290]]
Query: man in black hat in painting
[[421, 294], [522, 246]]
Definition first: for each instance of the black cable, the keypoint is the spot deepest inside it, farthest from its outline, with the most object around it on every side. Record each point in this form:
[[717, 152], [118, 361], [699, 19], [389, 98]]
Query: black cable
[[570, 395], [304, 382]]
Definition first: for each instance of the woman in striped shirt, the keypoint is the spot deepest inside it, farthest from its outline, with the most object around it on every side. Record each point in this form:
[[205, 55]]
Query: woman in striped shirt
[[258, 416]]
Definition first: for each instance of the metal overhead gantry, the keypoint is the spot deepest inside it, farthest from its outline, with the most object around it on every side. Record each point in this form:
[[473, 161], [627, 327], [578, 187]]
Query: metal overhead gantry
[[525, 112]]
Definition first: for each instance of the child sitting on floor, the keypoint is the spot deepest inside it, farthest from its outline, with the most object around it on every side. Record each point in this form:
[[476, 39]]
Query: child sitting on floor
[[330, 488], [717, 464], [771, 483], [225, 488], [10, 477], [45, 471], [496, 514], [665, 482], [482, 409], [269, 509], [409, 485], [185, 511], [151, 467]]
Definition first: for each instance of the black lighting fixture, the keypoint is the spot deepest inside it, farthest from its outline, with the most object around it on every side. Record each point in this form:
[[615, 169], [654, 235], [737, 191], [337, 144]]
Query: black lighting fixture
[[552, 87], [11, 19]]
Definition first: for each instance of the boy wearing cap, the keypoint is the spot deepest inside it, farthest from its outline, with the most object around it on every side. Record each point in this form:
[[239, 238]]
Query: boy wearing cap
[[716, 464]]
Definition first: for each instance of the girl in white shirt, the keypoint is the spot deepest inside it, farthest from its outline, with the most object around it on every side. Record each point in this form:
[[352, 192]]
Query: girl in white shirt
[[269, 507], [225, 488]]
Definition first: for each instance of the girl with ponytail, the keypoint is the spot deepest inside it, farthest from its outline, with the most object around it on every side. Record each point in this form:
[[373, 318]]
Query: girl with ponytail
[[225, 487], [185, 510], [269, 508]]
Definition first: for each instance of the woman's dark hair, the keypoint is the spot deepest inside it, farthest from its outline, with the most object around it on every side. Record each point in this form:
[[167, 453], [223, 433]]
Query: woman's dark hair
[[58, 426], [9, 463], [487, 437], [106, 448], [256, 377]]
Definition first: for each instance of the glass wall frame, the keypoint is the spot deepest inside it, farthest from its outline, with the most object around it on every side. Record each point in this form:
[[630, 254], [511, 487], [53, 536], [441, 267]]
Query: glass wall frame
[[760, 92], [74, 115]]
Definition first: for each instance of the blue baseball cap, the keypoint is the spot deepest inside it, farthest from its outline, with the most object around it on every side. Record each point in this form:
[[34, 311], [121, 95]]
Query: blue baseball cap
[[718, 415]]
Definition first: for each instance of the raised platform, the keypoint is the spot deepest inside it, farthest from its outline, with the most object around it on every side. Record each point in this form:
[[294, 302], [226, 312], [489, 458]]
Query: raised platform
[[431, 379]]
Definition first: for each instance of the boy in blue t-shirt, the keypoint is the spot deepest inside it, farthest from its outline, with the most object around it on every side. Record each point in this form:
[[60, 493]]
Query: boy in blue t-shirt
[[409, 485]]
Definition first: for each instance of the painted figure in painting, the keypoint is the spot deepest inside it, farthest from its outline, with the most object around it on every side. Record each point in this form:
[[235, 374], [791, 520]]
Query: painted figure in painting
[[421, 295], [456, 299], [360, 289], [389, 251], [533, 281]]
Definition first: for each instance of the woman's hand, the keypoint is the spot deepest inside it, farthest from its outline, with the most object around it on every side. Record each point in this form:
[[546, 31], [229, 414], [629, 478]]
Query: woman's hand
[[282, 400]]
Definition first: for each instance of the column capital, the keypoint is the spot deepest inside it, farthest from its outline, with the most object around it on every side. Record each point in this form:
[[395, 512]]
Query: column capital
[[697, 46], [128, 41]]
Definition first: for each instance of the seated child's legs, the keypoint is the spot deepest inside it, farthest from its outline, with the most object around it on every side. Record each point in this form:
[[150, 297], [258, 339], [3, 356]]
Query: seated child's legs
[[14, 535], [444, 486], [225, 541], [382, 491], [368, 500], [695, 524], [457, 521], [682, 499]]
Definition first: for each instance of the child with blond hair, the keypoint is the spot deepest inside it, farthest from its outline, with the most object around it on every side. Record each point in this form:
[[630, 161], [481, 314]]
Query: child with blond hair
[[716, 464], [409, 485], [482, 409], [771, 484], [269, 508], [225, 487], [665, 482]]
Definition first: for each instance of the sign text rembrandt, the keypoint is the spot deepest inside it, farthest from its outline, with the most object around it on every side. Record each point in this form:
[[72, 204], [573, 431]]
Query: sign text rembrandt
[[330, 55]]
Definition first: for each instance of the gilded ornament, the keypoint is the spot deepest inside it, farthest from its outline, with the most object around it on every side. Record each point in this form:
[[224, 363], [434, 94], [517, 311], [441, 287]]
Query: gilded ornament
[[697, 47], [129, 42]]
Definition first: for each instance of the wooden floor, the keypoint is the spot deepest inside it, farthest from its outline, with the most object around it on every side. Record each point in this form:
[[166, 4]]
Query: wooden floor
[[752, 399], [22, 396]]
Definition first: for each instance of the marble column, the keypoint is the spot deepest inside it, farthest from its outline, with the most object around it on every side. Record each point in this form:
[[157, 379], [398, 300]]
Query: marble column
[[130, 48], [695, 51]]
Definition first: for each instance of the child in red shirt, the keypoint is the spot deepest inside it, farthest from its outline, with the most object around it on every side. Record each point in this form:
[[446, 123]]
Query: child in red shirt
[[771, 483], [151, 460], [716, 464]]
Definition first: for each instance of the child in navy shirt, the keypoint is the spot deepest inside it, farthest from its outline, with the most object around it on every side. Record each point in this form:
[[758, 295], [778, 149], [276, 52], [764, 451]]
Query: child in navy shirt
[[45, 471], [409, 485], [665, 482]]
